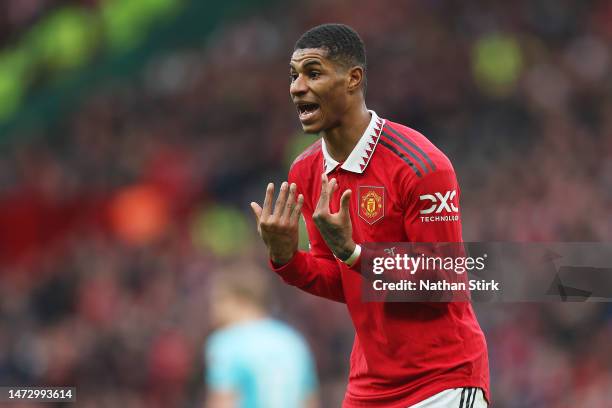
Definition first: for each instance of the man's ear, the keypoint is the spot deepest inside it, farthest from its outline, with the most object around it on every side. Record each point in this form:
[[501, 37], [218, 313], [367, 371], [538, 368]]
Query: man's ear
[[355, 78]]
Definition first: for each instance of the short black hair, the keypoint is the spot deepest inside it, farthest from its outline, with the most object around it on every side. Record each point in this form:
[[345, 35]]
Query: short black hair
[[342, 43]]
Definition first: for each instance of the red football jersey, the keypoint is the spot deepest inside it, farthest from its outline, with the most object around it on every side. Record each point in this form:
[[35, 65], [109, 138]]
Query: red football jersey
[[403, 352]]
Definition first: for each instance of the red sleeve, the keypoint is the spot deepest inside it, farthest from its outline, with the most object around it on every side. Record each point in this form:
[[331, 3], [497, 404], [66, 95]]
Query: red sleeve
[[435, 196], [432, 215], [317, 271]]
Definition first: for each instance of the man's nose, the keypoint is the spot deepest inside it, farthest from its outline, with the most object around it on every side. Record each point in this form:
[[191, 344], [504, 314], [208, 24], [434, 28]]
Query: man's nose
[[298, 86]]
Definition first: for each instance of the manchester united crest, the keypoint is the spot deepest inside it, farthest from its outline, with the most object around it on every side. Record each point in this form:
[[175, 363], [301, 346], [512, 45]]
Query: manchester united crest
[[371, 203]]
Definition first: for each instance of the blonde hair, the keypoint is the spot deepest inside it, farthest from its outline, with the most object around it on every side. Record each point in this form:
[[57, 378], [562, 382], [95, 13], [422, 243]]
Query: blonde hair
[[244, 281]]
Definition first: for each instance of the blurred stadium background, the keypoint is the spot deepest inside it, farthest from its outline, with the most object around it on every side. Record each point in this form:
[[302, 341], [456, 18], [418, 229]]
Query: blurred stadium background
[[134, 133]]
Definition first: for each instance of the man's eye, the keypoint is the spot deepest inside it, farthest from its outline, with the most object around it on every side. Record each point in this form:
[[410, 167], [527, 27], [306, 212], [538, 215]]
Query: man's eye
[[292, 77], [314, 74]]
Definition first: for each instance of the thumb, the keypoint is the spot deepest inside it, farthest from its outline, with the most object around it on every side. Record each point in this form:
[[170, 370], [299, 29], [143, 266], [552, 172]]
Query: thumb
[[345, 202], [256, 210]]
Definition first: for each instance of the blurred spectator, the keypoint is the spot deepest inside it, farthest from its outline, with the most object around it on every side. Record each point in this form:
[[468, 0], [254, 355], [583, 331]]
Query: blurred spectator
[[254, 361]]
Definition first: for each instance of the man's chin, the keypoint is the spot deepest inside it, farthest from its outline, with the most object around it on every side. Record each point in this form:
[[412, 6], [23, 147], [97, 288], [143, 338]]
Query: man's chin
[[313, 128]]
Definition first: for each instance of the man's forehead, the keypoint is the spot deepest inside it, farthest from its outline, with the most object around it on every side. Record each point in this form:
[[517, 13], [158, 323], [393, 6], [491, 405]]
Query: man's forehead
[[304, 55]]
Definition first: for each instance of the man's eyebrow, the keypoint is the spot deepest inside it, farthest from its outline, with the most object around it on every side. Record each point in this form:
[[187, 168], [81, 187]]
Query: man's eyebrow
[[307, 63], [311, 62]]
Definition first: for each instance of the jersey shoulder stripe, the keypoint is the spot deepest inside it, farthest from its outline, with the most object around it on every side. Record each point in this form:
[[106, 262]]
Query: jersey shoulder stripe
[[402, 136], [398, 148], [401, 155]]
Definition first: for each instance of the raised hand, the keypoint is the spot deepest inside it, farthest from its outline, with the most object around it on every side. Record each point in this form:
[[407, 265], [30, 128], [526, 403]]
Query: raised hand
[[278, 226], [336, 229]]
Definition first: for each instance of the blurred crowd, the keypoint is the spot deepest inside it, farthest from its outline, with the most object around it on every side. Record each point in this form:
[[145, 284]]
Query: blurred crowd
[[16, 16], [113, 220]]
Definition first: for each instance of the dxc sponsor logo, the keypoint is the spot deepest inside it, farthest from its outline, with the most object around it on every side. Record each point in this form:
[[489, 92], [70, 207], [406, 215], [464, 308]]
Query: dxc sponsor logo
[[439, 203]]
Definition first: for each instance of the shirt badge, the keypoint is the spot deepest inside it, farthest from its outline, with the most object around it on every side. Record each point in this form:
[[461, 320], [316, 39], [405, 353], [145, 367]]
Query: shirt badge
[[371, 203]]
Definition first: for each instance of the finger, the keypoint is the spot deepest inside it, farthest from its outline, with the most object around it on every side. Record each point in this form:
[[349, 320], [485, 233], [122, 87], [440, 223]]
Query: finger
[[333, 186], [267, 205], [324, 197], [281, 200], [345, 202], [290, 202], [256, 210], [297, 210]]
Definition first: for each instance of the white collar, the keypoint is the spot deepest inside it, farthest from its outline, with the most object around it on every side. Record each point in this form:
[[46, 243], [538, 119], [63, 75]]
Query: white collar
[[359, 158]]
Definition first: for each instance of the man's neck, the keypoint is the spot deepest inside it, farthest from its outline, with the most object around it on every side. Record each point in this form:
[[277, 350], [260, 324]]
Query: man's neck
[[341, 140]]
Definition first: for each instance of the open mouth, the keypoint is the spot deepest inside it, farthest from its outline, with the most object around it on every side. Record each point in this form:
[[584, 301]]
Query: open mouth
[[307, 111]]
